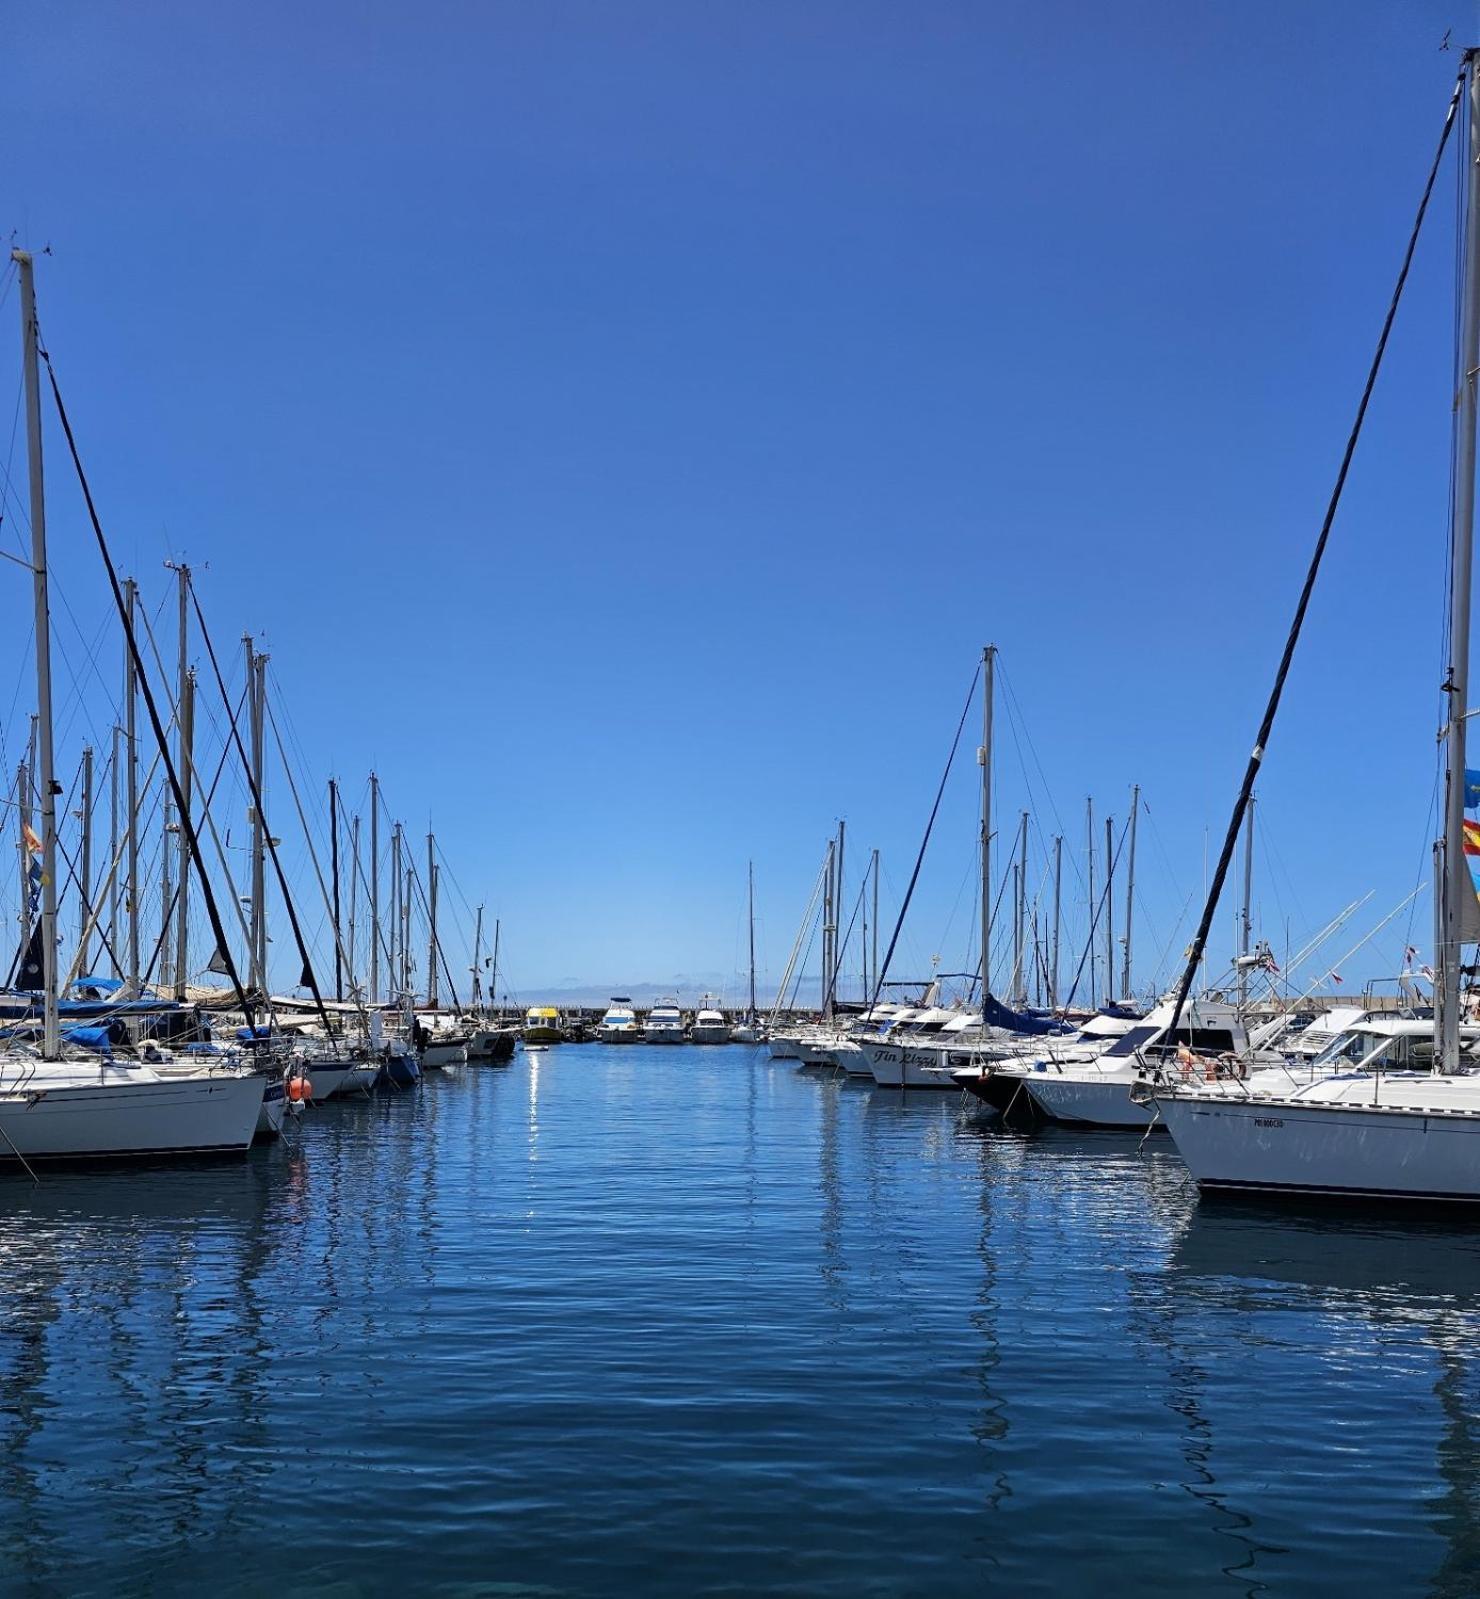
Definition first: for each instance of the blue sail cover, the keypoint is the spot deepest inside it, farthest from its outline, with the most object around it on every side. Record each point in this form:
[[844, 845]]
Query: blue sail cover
[[104, 985], [996, 1014], [90, 1037]]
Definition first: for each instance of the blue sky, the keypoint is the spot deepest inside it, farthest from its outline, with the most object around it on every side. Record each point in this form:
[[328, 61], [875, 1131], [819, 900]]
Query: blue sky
[[624, 425]]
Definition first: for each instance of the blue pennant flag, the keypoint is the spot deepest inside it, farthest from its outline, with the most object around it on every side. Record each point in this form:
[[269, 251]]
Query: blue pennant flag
[[1472, 788]]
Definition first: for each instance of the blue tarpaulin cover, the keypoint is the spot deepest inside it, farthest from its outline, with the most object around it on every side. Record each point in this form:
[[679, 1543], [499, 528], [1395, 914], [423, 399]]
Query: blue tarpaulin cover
[[89, 1037], [996, 1014]]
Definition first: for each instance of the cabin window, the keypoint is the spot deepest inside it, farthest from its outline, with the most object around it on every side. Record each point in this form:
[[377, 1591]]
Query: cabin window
[[1129, 1043], [1216, 1040]]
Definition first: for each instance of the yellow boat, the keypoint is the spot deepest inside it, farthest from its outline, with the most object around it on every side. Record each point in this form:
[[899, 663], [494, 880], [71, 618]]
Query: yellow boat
[[542, 1025]]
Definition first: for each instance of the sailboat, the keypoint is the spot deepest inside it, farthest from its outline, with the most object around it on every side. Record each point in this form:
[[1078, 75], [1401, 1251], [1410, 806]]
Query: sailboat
[[69, 1098], [1400, 1117], [486, 1040], [746, 1031]]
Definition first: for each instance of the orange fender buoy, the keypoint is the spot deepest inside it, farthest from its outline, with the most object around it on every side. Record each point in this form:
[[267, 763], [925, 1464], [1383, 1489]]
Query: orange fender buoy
[[300, 1089]]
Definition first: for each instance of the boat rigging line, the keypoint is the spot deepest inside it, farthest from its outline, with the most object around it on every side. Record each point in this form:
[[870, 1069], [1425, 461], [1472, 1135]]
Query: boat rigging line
[[909, 892], [186, 821], [1266, 725], [1100, 904], [308, 980]]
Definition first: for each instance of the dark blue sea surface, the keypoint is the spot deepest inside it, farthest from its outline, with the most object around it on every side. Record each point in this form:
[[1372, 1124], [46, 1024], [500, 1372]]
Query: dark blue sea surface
[[690, 1321]]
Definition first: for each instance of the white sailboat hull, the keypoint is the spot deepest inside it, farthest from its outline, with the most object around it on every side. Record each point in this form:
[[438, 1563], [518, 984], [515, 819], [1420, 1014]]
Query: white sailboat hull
[[327, 1081], [208, 1115], [1087, 1101], [359, 1079], [274, 1108], [1286, 1146], [897, 1066], [443, 1055]]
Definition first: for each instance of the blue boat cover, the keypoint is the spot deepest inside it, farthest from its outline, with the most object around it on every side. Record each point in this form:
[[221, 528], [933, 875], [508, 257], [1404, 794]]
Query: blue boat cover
[[90, 1037], [996, 1014], [106, 985]]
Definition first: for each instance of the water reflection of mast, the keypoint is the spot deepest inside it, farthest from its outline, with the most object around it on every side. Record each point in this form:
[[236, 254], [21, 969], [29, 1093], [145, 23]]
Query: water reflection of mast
[[30, 1299], [1459, 1466], [225, 1356], [992, 1429], [833, 1268], [1153, 1327]]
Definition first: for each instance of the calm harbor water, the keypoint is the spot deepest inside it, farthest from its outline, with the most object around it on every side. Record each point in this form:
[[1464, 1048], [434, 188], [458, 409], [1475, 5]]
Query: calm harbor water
[[683, 1321]]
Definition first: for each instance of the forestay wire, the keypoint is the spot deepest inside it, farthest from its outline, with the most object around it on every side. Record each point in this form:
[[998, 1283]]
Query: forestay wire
[[883, 971], [1256, 757]]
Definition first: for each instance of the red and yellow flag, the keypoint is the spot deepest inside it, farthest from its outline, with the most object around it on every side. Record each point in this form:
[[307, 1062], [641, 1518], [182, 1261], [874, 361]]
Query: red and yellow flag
[[1472, 837]]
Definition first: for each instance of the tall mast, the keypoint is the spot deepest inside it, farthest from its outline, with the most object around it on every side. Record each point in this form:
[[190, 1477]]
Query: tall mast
[[130, 735], [31, 764], [352, 951], [863, 936], [1109, 910], [51, 1040], [1021, 989], [874, 953], [84, 864], [750, 880], [493, 970], [167, 831], [1089, 830], [1246, 924], [1130, 891], [374, 889], [114, 836], [25, 823], [984, 760], [186, 766], [837, 959], [398, 965], [334, 869], [1058, 885], [257, 963], [1459, 898], [431, 923], [872, 872], [477, 996], [829, 931], [408, 966]]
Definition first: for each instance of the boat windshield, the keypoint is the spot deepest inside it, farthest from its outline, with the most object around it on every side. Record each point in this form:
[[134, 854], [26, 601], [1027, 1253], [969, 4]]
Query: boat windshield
[[1370, 1052]]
